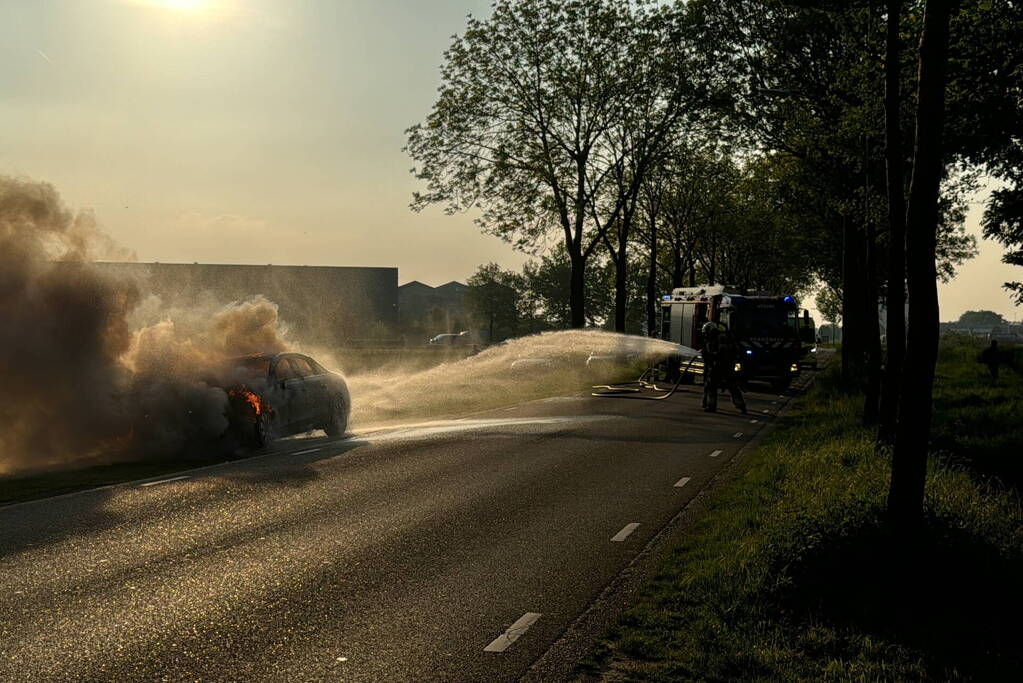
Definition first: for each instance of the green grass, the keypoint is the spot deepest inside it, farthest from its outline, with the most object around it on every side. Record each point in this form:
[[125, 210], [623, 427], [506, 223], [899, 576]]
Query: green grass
[[791, 572]]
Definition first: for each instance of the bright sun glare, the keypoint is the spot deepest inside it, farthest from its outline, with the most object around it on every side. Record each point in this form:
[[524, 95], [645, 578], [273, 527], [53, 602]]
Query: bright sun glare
[[182, 5]]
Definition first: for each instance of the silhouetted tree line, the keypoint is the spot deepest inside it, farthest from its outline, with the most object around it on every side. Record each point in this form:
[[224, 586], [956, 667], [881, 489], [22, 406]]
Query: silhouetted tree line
[[766, 144]]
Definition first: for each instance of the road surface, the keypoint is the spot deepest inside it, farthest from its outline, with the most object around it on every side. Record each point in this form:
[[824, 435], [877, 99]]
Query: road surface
[[455, 551]]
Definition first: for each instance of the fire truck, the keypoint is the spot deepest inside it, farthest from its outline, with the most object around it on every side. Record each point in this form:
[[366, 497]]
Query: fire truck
[[766, 329]]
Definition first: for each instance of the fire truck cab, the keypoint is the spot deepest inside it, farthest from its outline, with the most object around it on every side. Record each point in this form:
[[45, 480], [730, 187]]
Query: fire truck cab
[[766, 330]]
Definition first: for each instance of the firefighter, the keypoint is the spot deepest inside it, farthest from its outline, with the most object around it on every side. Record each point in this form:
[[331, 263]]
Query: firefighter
[[719, 354], [992, 358]]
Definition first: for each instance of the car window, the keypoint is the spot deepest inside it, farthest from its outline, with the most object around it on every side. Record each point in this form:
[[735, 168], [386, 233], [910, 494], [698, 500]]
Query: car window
[[284, 369], [317, 368], [248, 371], [301, 366], [256, 365]]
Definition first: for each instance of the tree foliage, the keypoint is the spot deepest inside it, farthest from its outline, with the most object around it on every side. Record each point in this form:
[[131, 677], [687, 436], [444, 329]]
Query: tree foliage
[[980, 319], [547, 113], [493, 299]]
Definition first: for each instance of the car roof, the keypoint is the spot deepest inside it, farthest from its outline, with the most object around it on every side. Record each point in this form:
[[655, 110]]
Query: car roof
[[252, 356]]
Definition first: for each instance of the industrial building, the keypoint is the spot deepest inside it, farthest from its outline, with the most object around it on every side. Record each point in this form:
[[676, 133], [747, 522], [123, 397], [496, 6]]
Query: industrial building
[[425, 311], [321, 304], [330, 305]]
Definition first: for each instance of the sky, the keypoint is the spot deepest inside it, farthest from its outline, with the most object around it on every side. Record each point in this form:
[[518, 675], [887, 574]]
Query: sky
[[264, 131]]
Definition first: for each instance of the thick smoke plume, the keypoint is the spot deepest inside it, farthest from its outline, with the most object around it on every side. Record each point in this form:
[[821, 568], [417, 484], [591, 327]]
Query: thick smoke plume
[[93, 371], [90, 370]]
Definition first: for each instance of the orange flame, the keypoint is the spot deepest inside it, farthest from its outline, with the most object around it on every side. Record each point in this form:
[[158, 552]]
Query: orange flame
[[252, 399]]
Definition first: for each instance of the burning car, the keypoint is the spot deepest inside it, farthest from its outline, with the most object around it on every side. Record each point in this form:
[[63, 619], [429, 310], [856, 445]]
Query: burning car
[[273, 395]]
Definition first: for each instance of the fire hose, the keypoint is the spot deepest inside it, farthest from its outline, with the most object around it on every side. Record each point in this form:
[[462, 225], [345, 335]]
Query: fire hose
[[626, 390]]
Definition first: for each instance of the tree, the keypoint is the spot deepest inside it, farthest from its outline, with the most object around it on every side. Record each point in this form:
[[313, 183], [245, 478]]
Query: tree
[[493, 298], [986, 113], [895, 337], [661, 90], [1003, 221], [545, 295], [981, 319], [909, 458], [829, 303], [521, 126]]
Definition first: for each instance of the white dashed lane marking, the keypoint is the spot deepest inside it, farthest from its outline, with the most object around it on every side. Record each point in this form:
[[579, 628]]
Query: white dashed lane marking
[[625, 532], [753, 422], [715, 454], [308, 450], [164, 481], [679, 484], [514, 632], [737, 435]]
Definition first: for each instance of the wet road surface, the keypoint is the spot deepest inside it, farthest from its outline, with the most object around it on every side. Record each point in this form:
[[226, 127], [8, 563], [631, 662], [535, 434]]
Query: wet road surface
[[455, 551]]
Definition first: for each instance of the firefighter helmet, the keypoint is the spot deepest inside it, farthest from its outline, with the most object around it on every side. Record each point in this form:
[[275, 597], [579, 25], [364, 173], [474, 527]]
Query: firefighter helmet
[[710, 326]]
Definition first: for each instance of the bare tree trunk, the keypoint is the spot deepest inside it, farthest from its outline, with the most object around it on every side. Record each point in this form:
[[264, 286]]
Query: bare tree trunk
[[677, 274], [909, 459], [621, 294], [895, 335], [577, 289], [651, 282], [712, 268], [852, 305], [622, 272], [872, 330]]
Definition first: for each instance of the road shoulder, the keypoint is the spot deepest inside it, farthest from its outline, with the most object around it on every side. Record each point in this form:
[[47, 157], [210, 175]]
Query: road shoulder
[[561, 661]]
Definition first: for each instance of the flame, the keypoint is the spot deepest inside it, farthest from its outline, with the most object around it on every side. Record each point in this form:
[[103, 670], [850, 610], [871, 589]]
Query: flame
[[252, 399]]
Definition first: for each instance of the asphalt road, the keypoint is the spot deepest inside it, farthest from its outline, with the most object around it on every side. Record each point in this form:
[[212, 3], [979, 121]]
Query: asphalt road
[[399, 555]]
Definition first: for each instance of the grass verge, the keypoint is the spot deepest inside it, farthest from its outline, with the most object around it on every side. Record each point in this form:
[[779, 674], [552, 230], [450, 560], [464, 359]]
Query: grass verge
[[791, 573]]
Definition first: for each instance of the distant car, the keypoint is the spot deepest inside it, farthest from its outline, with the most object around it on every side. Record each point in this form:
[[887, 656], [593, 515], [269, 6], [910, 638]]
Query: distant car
[[274, 395], [459, 339]]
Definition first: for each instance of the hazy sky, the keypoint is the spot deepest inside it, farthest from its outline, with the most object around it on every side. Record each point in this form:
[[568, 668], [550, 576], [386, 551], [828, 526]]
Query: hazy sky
[[260, 131]]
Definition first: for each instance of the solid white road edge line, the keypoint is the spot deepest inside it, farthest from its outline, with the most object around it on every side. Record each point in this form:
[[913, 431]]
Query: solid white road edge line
[[164, 481], [504, 641], [308, 450], [624, 533], [679, 484], [715, 454]]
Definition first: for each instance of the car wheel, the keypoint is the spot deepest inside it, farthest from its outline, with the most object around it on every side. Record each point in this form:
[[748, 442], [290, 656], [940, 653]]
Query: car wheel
[[337, 425], [262, 431]]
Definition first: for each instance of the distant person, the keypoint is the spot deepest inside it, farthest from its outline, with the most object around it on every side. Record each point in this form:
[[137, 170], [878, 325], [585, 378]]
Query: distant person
[[719, 354], [992, 358]]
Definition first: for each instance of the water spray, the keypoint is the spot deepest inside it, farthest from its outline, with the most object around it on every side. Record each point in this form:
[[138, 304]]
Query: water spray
[[634, 389]]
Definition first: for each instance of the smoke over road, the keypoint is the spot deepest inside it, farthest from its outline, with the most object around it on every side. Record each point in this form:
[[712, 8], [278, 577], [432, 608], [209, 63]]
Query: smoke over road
[[92, 371], [89, 368]]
